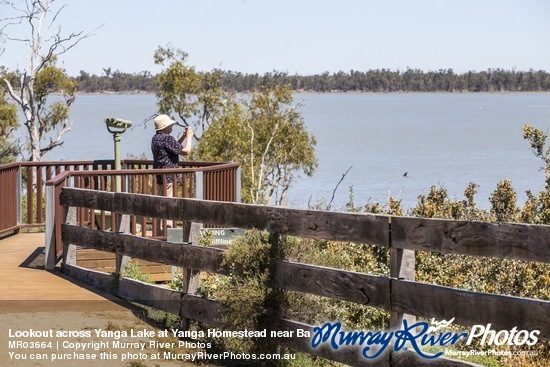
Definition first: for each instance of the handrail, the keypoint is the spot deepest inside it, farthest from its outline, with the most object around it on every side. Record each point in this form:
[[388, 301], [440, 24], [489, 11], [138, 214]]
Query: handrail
[[196, 183], [10, 165], [106, 161], [38, 173], [354, 227], [157, 171]]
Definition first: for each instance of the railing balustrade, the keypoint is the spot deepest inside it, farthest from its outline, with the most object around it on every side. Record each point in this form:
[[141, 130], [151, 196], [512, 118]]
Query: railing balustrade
[[10, 197], [23, 185]]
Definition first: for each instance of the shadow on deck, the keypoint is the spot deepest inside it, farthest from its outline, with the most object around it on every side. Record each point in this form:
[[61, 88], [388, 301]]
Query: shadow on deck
[[27, 287]]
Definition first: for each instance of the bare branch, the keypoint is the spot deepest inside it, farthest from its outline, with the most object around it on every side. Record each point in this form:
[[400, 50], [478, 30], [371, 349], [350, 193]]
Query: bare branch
[[264, 155], [57, 142], [12, 92], [35, 14], [336, 188], [45, 44], [144, 122], [252, 160], [10, 21], [55, 16]]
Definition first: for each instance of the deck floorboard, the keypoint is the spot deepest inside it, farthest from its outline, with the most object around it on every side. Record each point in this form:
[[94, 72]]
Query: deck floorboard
[[26, 287]]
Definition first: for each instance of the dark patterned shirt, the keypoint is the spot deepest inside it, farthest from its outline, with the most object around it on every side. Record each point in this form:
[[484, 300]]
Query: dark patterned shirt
[[166, 150]]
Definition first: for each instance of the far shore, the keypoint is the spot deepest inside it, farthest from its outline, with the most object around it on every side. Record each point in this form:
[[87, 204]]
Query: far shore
[[129, 92]]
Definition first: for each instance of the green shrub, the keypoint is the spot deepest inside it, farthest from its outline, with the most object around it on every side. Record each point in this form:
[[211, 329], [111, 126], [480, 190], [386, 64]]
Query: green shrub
[[133, 271], [247, 295], [245, 292]]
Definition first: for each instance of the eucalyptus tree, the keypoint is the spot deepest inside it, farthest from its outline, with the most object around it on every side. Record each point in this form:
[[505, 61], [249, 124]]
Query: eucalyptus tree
[[267, 135], [261, 130], [8, 120], [195, 97], [34, 23], [8, 124]]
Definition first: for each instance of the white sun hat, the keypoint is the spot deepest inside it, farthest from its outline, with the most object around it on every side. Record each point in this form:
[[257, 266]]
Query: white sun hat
[[162, 122]]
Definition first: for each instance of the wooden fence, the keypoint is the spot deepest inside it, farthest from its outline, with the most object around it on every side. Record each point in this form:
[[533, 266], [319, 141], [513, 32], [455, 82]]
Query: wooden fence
[[10, 198], [27, 181], [399, 293]]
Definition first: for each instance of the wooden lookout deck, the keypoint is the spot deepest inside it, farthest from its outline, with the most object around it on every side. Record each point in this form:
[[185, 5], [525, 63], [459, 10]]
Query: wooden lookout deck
[[33, 298], [77, 206], [26, 287]]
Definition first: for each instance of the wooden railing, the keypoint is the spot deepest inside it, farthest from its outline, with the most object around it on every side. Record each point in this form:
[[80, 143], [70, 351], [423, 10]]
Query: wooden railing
[[29, 183], [400, 296], [10, 197], [140, 181], [28, 180]]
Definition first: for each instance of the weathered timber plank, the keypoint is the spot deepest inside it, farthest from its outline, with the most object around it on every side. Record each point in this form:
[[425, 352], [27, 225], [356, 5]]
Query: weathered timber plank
[[410, 358], [471, 308], [88, 238], [228, 214], [363, 228], [150, 295], [182, 255], [97, 279], [83, 198], [192, 210], [333, 283], [178, 303], [147, 205], [89, 254], [402, 266], [175, 302], [501, 240], [202, 309], [94, 264]]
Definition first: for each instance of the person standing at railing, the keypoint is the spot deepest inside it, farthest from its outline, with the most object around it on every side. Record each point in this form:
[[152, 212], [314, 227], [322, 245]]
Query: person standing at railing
[[167, 149]]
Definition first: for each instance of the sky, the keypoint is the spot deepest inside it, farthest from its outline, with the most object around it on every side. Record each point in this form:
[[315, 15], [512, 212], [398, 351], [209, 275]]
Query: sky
[[303, 36]]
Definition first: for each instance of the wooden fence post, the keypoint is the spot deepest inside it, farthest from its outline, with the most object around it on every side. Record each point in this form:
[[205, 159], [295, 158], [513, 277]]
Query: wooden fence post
[[402, 264], [238, 186], [190, 278], [191, 233], [275, 298], [69, 250], [122, 225], [50, 229]]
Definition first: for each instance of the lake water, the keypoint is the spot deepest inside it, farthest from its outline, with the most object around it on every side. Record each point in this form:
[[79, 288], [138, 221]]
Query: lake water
[[437, 139]]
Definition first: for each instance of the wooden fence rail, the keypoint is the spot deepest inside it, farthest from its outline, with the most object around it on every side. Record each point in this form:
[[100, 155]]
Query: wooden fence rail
[[527, 242], [498, 240], [509, 241]]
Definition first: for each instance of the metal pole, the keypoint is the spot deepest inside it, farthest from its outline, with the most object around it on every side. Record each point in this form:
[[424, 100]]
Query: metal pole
[[117, 127], [117, 138]]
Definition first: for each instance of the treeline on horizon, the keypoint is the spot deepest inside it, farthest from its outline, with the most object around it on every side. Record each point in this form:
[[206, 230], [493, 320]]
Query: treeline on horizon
[[379, 80]]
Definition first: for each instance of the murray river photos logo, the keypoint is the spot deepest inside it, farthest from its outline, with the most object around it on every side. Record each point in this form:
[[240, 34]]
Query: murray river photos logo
[[417, 336]]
